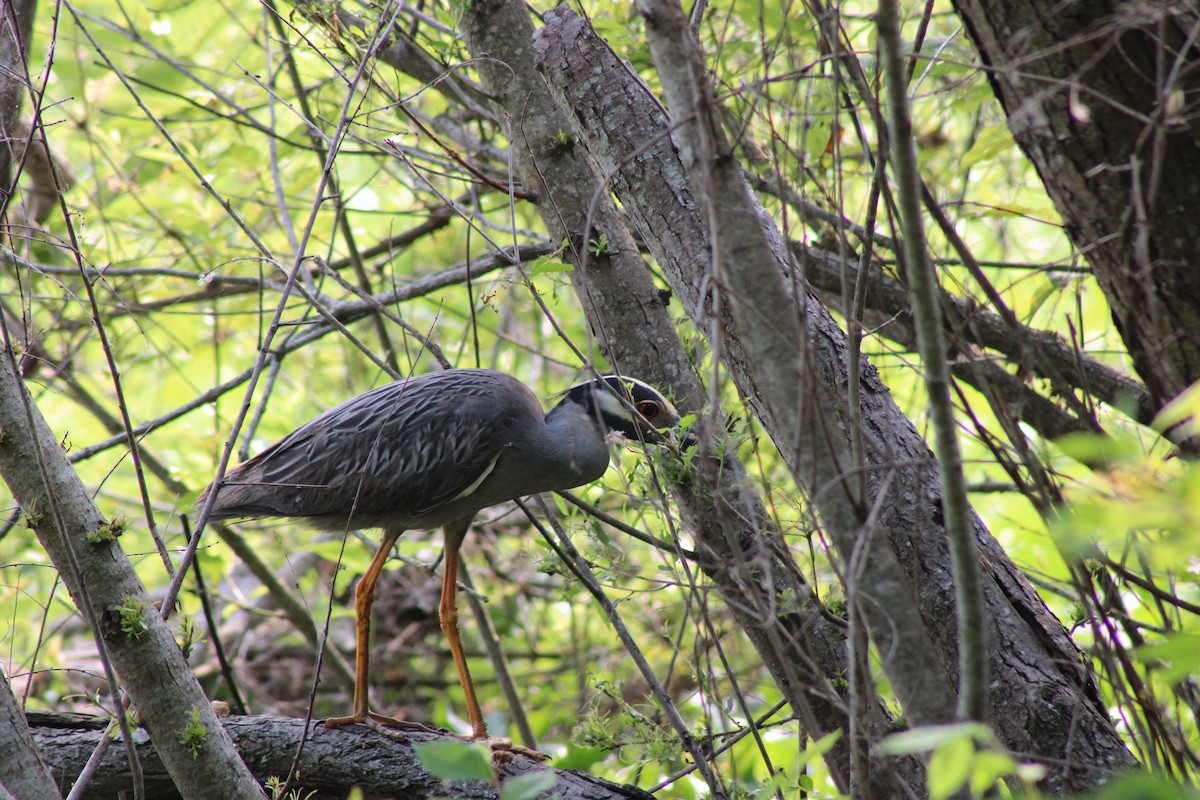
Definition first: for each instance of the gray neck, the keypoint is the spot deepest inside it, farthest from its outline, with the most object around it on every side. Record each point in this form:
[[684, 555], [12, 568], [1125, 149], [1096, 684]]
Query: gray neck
[[571, 450]]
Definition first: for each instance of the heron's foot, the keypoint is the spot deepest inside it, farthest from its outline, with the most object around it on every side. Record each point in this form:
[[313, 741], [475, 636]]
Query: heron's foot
[[378, 722], [503, 748]]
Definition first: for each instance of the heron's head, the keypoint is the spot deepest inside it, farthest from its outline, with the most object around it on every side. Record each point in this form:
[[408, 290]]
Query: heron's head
[[635, 409]]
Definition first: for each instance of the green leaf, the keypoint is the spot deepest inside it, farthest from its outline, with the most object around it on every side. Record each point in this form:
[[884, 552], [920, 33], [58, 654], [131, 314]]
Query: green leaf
[[163, 155], [1178, 654], [353, 556], [1184, 408], [931, 737], [820, 747], [1097, 449], [528, 786], [580, 758], [988, 768], [459, 761], [1147, 787], [992, 141], [547, 264], [1008, 209], [950, 766]]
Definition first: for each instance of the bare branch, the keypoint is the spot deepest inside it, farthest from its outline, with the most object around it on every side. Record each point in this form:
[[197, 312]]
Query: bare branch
[[93, 565], [968, 593], [333, 761]]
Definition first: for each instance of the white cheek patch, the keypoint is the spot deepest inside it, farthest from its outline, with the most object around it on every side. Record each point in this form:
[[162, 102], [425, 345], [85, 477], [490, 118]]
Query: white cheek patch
[[609, 404]]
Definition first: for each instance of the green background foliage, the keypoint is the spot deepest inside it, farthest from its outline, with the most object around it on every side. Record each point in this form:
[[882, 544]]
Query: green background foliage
[[202, 187]]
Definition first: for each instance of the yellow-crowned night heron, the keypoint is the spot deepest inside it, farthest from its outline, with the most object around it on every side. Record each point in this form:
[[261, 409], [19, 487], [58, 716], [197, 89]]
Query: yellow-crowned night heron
[[430, 452]]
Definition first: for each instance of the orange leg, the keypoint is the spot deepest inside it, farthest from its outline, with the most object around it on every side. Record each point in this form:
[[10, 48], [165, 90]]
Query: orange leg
[[448, 612], [502, 748], [364, 595]]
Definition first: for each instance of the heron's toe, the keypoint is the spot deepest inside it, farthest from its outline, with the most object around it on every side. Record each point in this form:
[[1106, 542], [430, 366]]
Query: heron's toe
[[503, 749], [337, 722]]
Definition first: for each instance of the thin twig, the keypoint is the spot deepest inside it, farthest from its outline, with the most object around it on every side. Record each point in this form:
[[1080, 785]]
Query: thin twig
[[562, 545], [968, 590]]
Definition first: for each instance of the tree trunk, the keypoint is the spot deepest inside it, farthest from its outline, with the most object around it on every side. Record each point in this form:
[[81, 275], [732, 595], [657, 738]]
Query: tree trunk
[[23, 773], [1043, 702], [332, 761], [130, 633], [1102, 97], [16, 33], [804, 651]]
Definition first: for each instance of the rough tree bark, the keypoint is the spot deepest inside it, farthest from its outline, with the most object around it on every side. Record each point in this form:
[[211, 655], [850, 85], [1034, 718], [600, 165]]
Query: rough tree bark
[[332, 762], [1102, 97], [104, 586], [1043, 704], [16, 32], [804, 651], [23, 772]]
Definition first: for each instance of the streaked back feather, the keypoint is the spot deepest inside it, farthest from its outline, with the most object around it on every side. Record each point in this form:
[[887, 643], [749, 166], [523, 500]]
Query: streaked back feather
[[401, 450]]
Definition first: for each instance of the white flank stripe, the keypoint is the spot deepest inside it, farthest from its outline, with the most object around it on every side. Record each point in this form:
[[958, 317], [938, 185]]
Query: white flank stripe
[[475, 483]]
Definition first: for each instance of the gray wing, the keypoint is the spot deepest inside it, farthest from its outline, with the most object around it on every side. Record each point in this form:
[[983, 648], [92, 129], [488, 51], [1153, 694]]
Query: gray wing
[[399, 450]]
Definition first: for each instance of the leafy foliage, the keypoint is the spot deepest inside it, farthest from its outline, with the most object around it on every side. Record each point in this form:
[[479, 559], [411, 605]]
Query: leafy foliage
[[266, 221]]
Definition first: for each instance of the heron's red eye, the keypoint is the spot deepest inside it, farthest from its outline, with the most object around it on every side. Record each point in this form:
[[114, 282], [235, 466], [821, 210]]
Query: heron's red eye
[[649, 409]]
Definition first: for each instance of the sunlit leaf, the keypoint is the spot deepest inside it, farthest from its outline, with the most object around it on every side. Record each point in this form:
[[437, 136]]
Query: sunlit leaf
[[528, 786], [950, 766], [930, 737], [1177, 654], [460, 761]]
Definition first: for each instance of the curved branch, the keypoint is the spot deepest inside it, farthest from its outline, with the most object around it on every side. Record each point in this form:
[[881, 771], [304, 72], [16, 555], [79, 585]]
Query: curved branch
[[333, 761], [103, 583], [1039, 679]]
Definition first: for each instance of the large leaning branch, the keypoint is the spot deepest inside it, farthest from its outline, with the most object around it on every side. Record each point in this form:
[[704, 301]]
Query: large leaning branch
[[968, 323], [803, 649], [1043, 698], [781, 341], [332, 762], [88, 555], [927, 317]]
